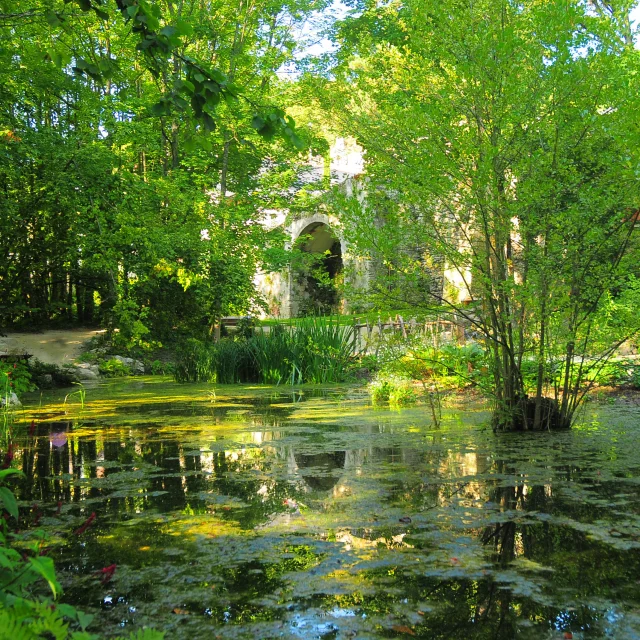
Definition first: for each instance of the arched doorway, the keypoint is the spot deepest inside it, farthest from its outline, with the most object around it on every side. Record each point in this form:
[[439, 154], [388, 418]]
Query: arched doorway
[[318, 275]]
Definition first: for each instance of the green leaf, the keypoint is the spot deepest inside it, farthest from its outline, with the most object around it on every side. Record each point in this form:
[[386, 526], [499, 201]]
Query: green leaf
[[189, 144], [67, 611], [55, 57], [53, 18], [209, 122], [161, 108], [44, 567], [9, 501], [84, 619], [180, 103], [187, 84], [153, 24], [132, 10], [257, 122], [168, 31], [183, 28], [218, 76], [9, 472]]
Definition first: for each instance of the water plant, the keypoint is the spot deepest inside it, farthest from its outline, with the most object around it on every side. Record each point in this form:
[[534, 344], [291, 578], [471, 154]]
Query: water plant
[[314, 350], [114, 368], [80, 393], [392, 388], [26, 611]]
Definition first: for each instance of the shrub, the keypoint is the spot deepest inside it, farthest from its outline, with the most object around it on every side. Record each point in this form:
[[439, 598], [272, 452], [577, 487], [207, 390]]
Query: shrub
[[114, 368], [635, 377], [157, 367], [15, 377], [59, 376], [392, 388]]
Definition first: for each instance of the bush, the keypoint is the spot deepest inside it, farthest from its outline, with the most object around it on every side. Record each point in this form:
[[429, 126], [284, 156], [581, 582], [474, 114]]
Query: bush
[[59, 376], [394, 389], [157, 367], [113, 368], [635, 377], [15, 377]]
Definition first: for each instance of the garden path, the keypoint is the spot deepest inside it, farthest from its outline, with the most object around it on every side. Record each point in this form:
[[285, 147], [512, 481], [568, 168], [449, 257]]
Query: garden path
[[60, 346]]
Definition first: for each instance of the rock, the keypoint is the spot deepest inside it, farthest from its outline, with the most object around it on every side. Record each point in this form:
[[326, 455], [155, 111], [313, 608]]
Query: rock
[[47, 378], [137, 367], [88, 367], [86, 374], [13, 400]]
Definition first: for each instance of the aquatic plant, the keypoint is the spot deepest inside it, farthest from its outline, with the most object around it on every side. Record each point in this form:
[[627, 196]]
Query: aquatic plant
[[392, 388], [227, 361], [315, 350], [24, 612], [276, 356], [80, 393]]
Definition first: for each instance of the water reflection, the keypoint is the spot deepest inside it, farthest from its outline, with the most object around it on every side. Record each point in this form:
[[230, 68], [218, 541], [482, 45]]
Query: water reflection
[[314, 516]]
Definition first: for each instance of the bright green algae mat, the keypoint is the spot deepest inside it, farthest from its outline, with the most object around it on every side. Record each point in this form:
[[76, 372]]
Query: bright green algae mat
[[253, 512]]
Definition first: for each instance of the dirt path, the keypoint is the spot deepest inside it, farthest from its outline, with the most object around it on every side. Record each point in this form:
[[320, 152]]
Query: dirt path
[[56, 347]]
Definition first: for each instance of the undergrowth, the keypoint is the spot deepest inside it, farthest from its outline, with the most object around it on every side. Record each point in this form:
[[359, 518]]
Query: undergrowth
[[316, 351]]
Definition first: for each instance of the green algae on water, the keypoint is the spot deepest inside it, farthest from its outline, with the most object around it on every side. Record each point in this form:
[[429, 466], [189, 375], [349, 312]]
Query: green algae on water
[[266, 512]]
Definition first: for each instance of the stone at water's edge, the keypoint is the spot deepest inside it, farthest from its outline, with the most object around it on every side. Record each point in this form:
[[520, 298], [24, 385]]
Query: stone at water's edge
[[137, 367], [13, 401], [85, 371], [85, 374]]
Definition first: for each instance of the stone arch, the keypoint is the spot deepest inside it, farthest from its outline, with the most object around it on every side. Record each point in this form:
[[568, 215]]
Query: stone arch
[[306, 292]]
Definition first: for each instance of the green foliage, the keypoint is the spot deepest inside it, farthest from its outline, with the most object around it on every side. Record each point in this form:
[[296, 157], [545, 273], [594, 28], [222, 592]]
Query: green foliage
[[113, 217], [59, 376], [114, 368], [392, 388], [519, 182], [15, 377], [158, 367], [314, 350], [449, 366]]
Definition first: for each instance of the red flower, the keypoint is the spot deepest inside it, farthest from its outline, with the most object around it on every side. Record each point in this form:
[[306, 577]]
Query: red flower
[[8, 457], [106, 573], [87, 523]]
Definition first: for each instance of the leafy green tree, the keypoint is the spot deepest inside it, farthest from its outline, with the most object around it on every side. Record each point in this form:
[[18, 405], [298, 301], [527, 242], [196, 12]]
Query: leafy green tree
[[501, 148], [115, 155]]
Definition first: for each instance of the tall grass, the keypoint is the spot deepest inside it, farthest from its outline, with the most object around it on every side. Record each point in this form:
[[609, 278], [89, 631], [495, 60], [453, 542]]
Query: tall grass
[[224, 362], [315, 350]]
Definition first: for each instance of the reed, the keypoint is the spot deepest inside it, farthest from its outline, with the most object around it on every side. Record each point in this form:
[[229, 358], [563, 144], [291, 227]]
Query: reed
[[316, 350]]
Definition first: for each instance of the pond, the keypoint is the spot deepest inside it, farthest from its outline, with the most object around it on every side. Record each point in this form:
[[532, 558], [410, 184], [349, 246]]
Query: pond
[[253, 512]]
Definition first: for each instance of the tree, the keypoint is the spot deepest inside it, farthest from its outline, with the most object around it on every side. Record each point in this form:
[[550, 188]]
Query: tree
[[501, 149], [112, 165]]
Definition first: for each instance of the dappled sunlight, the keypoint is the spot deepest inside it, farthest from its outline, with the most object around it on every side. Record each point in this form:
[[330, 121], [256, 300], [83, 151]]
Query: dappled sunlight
[[266, 512]]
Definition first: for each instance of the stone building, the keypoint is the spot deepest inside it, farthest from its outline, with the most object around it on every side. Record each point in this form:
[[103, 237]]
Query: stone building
[[295, 292]]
